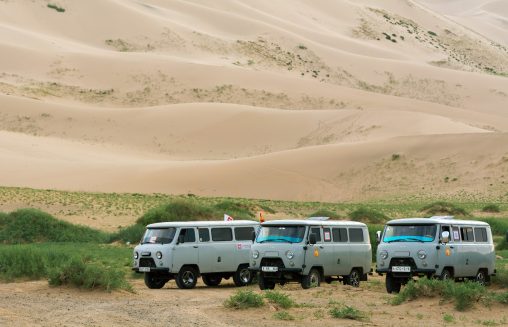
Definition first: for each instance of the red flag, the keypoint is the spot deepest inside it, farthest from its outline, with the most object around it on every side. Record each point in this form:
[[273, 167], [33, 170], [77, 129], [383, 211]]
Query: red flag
[[228, 218]]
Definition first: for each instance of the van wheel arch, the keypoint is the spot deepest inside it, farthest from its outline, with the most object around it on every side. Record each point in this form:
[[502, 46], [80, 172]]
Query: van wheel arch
[[447, 273], [243, 276], [354, 277]]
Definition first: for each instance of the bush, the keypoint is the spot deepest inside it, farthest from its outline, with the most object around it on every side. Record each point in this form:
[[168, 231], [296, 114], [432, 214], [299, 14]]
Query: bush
[[347, 312], [491, 208], [131, 234], [367, 215], [244, 300], [501, 278], [283, 315], [373, 228], [235, 209], [178, 210], [464, 294], [32, 225], [499, 226], [280, 299], [443, 208], [57, 8], [80, 273]]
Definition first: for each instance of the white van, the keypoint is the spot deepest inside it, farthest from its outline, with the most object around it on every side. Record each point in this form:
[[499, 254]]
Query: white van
[[309, 251], [439, 246], [186, 250]]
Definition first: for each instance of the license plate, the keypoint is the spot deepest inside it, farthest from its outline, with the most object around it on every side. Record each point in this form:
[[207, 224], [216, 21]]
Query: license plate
[[144, 269], [269, 269], [401, 269]]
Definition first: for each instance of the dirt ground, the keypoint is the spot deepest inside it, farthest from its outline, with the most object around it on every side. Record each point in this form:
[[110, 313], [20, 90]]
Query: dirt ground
[[37, 304]]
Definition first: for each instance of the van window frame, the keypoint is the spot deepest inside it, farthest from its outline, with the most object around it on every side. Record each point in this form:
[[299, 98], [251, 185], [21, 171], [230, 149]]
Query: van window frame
[[362, 233], [485, 235], [329, 231], [342, 231], [248, 237], [318, 235], [222, 228], [207, 230], [468, 232], [186, 239]]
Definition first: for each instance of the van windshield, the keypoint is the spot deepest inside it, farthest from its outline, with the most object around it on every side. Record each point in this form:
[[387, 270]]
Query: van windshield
[[159, 235], [409, 233], [289, 234]]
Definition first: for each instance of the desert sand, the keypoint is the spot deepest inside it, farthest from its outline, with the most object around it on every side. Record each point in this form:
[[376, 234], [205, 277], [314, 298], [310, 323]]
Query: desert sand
[[282, 99]]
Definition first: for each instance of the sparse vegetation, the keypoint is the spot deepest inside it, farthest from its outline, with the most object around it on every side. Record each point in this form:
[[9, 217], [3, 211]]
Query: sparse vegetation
[[491, 208], [283, 315], [448, 318], [442, 207], [325, 213], [280, 299], [55, 7], [368, 215], [348, 312], [395, 156], [244, 299]]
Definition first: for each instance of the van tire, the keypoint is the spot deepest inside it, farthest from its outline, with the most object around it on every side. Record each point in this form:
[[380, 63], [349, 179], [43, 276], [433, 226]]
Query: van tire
[[211, 279], [242, 276], [187, 277], [265, 284], [481, 277], [153, 281], [446, 274], [354, 278], [392, 284], [313, 279]]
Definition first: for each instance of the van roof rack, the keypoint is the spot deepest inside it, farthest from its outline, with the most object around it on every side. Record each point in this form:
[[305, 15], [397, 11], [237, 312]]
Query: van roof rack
[[442, 217], [318, 218]]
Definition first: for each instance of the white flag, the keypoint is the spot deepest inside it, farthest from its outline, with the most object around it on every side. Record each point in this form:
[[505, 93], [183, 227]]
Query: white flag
[[228, 218]]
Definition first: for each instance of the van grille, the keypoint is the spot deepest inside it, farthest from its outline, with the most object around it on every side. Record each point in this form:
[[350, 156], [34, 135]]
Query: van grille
[[272, 262], [147, 262]]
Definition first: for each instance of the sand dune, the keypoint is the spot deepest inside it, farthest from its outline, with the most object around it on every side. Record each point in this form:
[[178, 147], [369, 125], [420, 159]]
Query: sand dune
[[336, 100]]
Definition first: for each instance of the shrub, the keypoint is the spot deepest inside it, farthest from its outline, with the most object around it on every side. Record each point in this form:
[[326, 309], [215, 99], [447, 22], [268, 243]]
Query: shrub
[[347, 312], [283, 315], [442, 207], [395, 156], [280, 299], [32, 225], [244, 300], [491, 208], [501, 278], [131, 234], [325, 213], [367, 215], [57, 8], [178, 210], [80, 273], [373, 228], [235, 209]]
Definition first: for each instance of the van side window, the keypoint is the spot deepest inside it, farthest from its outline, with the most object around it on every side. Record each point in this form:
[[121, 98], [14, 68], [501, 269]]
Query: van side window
[[455, 234], [317, 231], [356, 235], [327, 235], [189, 235], [467, 234], [222, 234], [339, 235], [480, 234], [204, 235], [243, 233]]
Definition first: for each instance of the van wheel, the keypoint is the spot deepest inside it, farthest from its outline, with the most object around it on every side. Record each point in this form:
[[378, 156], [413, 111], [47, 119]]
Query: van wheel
[[187, 277], [312, 279], [353, 278], [481, 277], [392, 284], [153, 281], [446, 275], [211, 279], [242, 276], [265, 284]]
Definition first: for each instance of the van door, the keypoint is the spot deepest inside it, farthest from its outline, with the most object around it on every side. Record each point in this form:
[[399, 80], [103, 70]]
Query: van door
[[447, 253], [341, 250], [327, 253], [223, 249], [314, 252], [206, 251], [466, 251], [186, 253]]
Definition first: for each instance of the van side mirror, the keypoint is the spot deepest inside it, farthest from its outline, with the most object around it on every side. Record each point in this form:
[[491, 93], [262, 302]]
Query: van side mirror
[[445, 236], [181, 239], [253, 236], [312, 238], [378, 236]]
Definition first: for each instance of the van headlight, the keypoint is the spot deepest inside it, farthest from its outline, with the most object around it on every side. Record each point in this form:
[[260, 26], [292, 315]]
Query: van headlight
[[158, 255], [383, 254], [255, 254], [422, 254], [136, 255], [290, 254]]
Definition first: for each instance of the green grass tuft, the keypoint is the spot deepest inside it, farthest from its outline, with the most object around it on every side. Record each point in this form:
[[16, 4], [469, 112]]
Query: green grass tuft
[[283, 315], [244, 299], [365, 214], [443, 208], [57, 8], [280, 299], [347, 312], [491, 208]]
